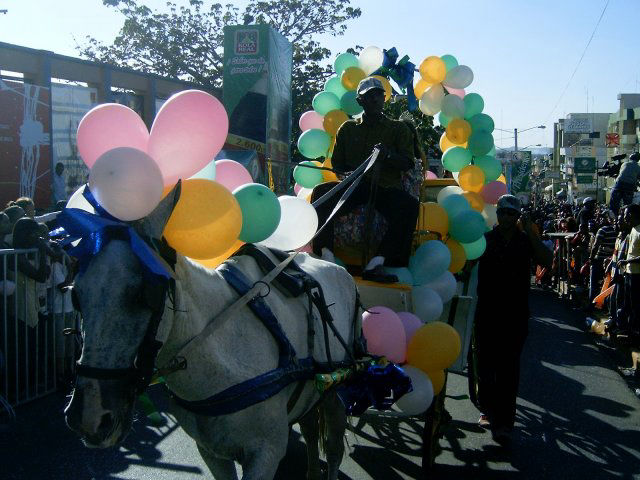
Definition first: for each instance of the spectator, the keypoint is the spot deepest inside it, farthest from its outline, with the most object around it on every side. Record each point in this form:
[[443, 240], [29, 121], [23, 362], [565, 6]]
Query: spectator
[[27, 205], [625, 185], [14, 213], [617, 311], [632, 267], [59, 184], [587, 212], [601, 251]]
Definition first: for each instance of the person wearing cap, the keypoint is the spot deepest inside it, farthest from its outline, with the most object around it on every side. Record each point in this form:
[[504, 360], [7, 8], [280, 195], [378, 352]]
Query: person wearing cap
[[626, 182], [502, 316], [588, 211], [355, 141]]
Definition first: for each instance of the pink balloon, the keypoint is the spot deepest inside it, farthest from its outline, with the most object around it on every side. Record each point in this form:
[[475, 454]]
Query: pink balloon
[[110, 126], [306, 248], [311, 119], [430, 175], [457, 91], [232, 174], [296, 188], [384, 332], [189, 130], [492, 191], [410, 322]]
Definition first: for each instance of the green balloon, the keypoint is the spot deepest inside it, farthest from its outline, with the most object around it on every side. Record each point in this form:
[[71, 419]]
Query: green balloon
[[349, 104], [314, 143], [467, 226], [307, 177], [344, 61], [324, 102], [260, 212], [475, 249], [491, 167], [334, 85], [481, 122], [449, 61], [456, 158], [480, 143], [473, 105], [443, 119], [492, 152]]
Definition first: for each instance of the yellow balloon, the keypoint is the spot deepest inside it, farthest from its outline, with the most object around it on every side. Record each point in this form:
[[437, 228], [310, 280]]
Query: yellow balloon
[[458, 131], [475, 199], [333, 120], [351, 77], [206, 221], [458, 257], [421, 87], [471, 178], [215, 261], [433, 347], [502, 179], [386, 85], [433, 218], [433, 69], [328, 176], [445, 143], [437, 378]]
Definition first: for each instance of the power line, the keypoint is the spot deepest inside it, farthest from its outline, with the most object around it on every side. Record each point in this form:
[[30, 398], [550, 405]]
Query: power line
[[579, 62]]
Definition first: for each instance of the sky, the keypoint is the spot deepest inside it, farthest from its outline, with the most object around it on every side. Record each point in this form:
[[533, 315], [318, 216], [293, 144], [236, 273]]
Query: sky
[[522, 52]]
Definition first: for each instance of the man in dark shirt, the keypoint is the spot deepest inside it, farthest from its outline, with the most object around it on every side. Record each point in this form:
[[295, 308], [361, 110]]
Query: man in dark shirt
[[355, 141], [502, 316], [601, 251], [587, 212]]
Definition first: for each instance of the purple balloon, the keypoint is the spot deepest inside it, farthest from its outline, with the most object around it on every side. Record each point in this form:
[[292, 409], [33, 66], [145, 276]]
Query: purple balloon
[[410, 322]]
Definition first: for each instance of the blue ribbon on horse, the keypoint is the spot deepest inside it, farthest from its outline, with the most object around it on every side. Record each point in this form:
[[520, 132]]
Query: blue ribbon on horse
[[401, 71], [95, 231]]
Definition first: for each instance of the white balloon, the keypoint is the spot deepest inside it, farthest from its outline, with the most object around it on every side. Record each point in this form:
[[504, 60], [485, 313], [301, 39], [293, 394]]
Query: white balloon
[[126, 182], [453, 106], [78, 201], [298, 224], [431, 100], [370, 59], [490, 215], [420, 398], [304, 192], [208, 172], [446, 191], [427, 304], [459, 77], [445, 286], [455, 175]]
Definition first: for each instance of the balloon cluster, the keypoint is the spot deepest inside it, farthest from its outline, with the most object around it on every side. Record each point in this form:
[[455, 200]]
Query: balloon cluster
[[220, 207], [425, 349]]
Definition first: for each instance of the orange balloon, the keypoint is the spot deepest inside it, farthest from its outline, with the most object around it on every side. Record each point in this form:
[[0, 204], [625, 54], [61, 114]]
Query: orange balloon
[[215, 261], [458, 131], [433, 347], [475, 199], [351, 77], [433, 69], [421, 87], [433, 218], [333, 120], [445, 143], [458, 257], [471, 178], [328, 176], [437, 378], [502, 179], [386, 85], [206, 221]]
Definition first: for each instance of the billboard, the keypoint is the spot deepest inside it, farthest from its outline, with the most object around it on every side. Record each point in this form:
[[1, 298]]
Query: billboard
[[577, 125], [584, 165]]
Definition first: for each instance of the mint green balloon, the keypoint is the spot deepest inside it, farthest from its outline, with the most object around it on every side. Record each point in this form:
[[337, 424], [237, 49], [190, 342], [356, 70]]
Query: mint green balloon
[[456, 158], [344, 61], [491, 167], [324, 102], [492, 152], [455, 204], [480, 143], [467, 226], [473, 104], [334, 85], [349, 104], [260, 212], [443, 119], [314, 143], [307, 177], [481, 122], [475, 249], [449, 61]]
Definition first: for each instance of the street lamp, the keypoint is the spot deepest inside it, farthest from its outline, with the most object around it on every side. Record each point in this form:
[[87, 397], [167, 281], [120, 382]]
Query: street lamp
[[515, 133]]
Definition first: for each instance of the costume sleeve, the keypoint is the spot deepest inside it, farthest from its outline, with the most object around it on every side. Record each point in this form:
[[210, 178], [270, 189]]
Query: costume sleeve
[[401, 158], [338, 157]]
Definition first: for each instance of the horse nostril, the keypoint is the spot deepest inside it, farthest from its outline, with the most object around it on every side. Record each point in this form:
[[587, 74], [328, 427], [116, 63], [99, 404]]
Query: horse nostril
[[106, 424]]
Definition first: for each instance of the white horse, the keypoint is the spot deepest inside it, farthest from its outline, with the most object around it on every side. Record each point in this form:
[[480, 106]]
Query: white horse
[[111, 296]]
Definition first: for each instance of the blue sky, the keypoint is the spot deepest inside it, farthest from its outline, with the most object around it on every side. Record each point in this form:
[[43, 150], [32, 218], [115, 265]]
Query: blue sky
[[522, 52]]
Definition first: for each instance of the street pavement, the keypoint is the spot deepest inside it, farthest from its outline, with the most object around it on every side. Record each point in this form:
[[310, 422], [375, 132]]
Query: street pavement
[[577, 419]]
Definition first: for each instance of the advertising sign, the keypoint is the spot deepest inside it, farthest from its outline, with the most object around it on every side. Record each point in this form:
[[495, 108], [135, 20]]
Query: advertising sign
[[612, 140], [584, 179], [520, 172], [577, 125], [584, 165]]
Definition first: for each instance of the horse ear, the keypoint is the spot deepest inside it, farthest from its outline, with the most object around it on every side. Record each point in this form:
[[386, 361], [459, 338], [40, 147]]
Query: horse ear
[[153, 224]]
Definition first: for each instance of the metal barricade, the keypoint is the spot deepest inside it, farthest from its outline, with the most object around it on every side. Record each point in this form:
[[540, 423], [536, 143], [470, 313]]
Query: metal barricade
[[32, 318]]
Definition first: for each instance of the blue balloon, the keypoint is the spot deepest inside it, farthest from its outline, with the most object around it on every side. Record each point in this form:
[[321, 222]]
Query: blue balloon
[[404, 274], [467, 227], [455, 204], [431, 260]]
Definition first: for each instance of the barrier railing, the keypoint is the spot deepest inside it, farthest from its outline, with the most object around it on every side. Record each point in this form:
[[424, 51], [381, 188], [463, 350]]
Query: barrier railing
[[33, 316]]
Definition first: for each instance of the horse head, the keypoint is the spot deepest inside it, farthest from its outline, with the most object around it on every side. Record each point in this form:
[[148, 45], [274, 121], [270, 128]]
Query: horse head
[[117, 302]]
